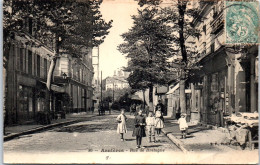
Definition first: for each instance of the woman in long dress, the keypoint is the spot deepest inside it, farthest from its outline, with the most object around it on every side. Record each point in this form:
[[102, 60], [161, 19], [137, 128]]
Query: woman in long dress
[[121, 127]]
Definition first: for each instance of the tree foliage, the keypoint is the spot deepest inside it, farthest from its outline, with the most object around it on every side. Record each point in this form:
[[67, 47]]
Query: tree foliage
[[180, 16], [66, 26], [148, 46], [72, 24]]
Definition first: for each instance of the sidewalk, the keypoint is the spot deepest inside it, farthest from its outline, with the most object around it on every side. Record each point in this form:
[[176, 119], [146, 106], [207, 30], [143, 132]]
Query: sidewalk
[[16, 131], [199, 138]]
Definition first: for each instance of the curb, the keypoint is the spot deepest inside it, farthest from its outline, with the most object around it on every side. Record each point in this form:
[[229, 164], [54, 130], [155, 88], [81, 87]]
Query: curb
[[176, 141], [38, 129]]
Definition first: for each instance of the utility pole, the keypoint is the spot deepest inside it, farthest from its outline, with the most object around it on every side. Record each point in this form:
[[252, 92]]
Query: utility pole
[[98, 69], [113, 92], [101, 97]]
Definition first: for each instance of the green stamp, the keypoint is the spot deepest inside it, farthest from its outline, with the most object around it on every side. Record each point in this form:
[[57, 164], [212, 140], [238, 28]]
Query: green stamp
[[242, 22]]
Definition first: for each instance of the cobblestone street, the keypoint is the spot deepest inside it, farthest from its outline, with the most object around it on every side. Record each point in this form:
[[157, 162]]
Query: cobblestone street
[[96, 134]]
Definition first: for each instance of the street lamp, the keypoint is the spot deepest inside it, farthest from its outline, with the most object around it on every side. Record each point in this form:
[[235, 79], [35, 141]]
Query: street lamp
[[64, 75]]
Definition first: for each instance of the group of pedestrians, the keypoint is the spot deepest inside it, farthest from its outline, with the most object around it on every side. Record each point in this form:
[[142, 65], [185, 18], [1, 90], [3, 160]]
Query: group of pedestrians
[[152, 123]]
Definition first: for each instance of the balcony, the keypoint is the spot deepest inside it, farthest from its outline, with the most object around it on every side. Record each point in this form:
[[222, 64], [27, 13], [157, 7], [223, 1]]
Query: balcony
[[218, 23], [60, 80]]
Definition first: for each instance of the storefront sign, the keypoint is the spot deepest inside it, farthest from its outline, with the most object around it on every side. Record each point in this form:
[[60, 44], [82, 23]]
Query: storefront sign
[[26, 81], [57, 88]]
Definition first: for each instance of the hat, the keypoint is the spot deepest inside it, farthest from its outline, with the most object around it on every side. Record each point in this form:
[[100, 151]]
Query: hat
[[184, 114]]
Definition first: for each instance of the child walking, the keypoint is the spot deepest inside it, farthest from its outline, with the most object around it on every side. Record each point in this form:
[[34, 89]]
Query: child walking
[[183, 125], [150, 125], [121, 127], [139, 129], [158, 122]]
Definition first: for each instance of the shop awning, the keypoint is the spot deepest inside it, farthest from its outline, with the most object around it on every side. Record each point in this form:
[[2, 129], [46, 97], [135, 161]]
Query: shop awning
[[55, 88], [173, 89], [135, 97]]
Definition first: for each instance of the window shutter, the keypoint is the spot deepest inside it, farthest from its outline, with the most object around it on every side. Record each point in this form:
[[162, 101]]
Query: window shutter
[[26, 60], [45, 68], [33, 62], [38, 63], [30, 62], [42, 69]]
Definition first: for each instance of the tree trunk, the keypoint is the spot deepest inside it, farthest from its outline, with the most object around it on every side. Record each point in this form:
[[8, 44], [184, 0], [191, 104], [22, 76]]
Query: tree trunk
[[48, 85], [182, 95], [144, 97], [151, 97], [50, 75], [182, 9]]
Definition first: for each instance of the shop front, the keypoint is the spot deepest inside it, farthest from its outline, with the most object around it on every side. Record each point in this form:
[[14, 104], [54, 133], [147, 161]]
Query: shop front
[[26, 102], [218, 97], [217, 88]]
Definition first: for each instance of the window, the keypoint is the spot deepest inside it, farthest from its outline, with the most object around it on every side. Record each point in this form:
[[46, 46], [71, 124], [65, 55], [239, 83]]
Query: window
[[38, 66], [45, 68], [29, 62], [21, 58]]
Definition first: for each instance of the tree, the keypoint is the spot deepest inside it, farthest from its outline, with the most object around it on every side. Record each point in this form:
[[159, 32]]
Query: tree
[[148, 46], [180, 15], [80, 27]]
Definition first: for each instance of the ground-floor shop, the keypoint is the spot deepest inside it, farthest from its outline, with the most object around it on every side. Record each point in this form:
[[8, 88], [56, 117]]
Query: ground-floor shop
[[80, 97], [227, 84], [27, 98]]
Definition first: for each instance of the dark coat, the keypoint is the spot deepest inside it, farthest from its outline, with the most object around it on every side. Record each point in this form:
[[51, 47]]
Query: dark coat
[[161, 106], [139, 130]]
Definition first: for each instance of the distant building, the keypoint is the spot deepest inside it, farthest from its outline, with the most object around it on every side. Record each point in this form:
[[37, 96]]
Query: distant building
[[118, 81]]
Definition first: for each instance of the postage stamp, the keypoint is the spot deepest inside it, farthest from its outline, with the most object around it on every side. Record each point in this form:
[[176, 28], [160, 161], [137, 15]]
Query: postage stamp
[[242, 22]]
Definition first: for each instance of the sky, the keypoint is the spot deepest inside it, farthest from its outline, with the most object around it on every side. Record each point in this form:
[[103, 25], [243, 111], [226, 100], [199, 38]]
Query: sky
[[120, 12]]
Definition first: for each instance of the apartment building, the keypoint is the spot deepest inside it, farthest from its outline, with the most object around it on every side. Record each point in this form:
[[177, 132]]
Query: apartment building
[[25, 88], [227, 82], [75, 75], [25, 79]]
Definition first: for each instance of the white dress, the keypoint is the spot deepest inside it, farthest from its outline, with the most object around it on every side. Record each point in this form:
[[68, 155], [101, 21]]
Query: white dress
[[121, 127], [158, 121], [182, 124]]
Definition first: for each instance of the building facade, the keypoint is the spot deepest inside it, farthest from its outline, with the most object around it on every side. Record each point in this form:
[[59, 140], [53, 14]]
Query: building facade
[[75, 75], [117, 81], [227, 81], [25, 88], [25, 78]]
